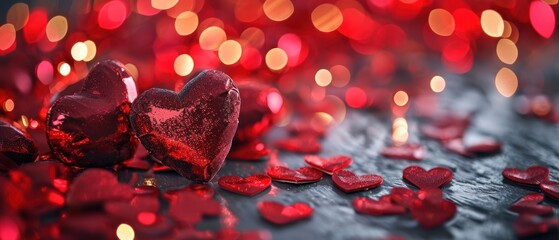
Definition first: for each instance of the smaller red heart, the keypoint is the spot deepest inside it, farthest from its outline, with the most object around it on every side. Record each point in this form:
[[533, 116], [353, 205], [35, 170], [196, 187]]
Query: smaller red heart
[[280, 214], [348, 182], [485, 146], [106, 188], [457, 146], [528, 225], [251, 151], [299, 176], [202, 190], [422, 179], [189, 208], [412, 152], [328, 165], [534, 175], [249, 186], [306, 144], [529, 204], [443, 133], [551, 188], [401, 196], [430, 209], [383, 206]]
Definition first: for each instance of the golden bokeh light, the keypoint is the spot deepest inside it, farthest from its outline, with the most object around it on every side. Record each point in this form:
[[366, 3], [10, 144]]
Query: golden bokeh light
[[327, 17], [79, 51], [186, 23], [278, 10], [57, 27], [507, 51], [506, 82], [492, 23], [276, 59], [399, 131], [132, 69], [401, 98], [18, 15], [441, 22], [7, 36], [91, 50], [229, 52], [323, 77], [399, 122], [64, 68], [254, 37], [163, 4], [9, 105], [211, 38], [184, 64], [437, 84], [125, 232]]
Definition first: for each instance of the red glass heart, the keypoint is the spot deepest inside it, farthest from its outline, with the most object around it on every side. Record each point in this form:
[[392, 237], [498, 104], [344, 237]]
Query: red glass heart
[[328, 165], [82, 192], [259, 111], [529, 204], [348, 182], [401, 196], [383, 206], [550, 188], [430, 209], [412, 152], [249, 186], [422, 179], [191, 132], [92, 128], [299, 176], [305, 144], [16, 147], [534, 175], [280, 214], [251, 151]]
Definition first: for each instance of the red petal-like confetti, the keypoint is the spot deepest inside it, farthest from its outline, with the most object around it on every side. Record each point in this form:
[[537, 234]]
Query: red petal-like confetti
[[528, 225], [430, 209], [534, 175], [412, 152], [348, 182], [422, 179], [299, 176], [252, 151], [249, 186], [401, 196], [203, 190], [95, 186], [550, 188], [369, 206], [328, 165], [443, 133], [189, 208], [529, 204], [306, 144], [280, 214]]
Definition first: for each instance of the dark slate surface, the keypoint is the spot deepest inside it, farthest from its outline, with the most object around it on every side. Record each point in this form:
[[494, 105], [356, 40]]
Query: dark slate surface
[[478, 188]]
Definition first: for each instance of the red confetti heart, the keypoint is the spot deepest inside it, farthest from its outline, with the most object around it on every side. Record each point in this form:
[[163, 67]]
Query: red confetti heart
[[430, 209], [280, 214], [189, 208], [251, 151], [422, 179], [412, 152], [529, 205], [92, 128], [383, 206], [551, 188], [534, 175], [306, 144], [202, 190], [249, 186], [106, 188], [299, 176], [401, 196], [304, 127], [486, 146], [443, 133], [528, 225], [328, 165], [348, 182], [457, 146], [192, 131]]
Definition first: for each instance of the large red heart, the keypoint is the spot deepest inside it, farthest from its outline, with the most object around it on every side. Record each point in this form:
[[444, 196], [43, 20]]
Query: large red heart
[[92, 127], [328, 165], [422, 179], [551, 188], [534, 175], [529, 204], [430, 209], [191, 132], [383, 206], [249, 186], [348, 182], [299, 176], [280, 214]]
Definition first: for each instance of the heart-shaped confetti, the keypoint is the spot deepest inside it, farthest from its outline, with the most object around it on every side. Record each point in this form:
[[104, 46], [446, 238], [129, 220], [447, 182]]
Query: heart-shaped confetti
[[443, 133], [348, 182], [249, 186], [299, 176], [484, 146], [430, 209], [328, 165], [529, 204], [106, 188], [306, 144], [401, 196], [16, 147], [92, 128], [534, 175], [528, 225], [202, 190], [251, 151], [280, 214], [413, 152], [192, 131], [383, 206], [550, 188], [422, 179], [189, 208]]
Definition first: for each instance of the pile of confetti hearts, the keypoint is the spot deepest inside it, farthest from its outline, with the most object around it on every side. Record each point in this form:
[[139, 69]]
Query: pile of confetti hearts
[[531, 214]]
